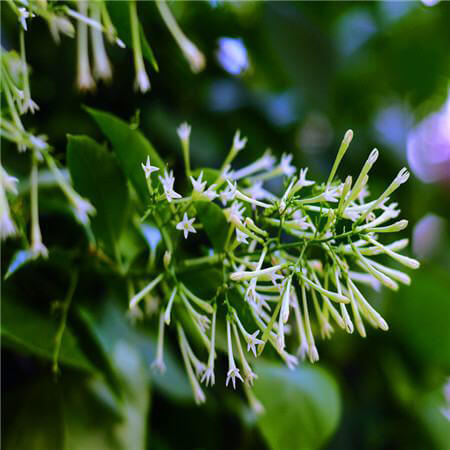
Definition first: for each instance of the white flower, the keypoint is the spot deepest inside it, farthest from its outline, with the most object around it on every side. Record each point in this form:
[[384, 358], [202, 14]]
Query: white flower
[[257, 191], [142, 81], [186, 225], [208, 376], [241, 237], [233, 371], [232, 55], [234, 214], [211, 193], [148, 168], [228, 194], [302, 181], [300, 221], [39, 249], [253, 341], [23, 15], [184, 131], [330, 195], [29, 105], [285, 164], [83, 208], [168, 182], [198, 185], [238, 143], [7, 226], [9, 182], [193, 55]]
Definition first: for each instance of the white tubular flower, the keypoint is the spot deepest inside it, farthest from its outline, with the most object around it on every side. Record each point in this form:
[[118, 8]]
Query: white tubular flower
[[285, 164], [262, 274], [244, 197], [339, 298], [142, 82], [186, 225], [266, 162], [167, 183], [7, 226], [158, 363], [251, 339], [257, 192], [85, 81], [302, 181], [227, 195], [241, 237], [169, 305], [365, 278], [355, 310], [199, 396], [198, 185], [148, 168], [394, 228], [208, 376], [193, 55], [286, 300], [211, 193], [200, 319], [341, 152], [199, 367], [141, 294], [406, 261], [362, 178], [367, 308], [233, 371], [24, 14], [82, 208], [102, 66], [238, 142], [249, 375], [235, 213], [312, 350], [9, 182], [184, 132], [303, 347]]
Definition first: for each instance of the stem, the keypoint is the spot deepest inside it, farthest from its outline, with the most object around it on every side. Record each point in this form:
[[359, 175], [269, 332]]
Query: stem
[[62, 325]]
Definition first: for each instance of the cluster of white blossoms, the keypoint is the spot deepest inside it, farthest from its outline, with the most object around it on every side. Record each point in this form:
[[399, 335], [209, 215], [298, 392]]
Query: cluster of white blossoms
[[295, 262], [90, 21]]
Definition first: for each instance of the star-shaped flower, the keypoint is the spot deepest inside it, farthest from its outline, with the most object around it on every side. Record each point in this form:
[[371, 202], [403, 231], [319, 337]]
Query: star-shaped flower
[[148, 168], [285, 164], [186, 225], [302, 181], [168, 182], [238, 143], [232, 374], [198, 184], [241, 237], [253, 341]]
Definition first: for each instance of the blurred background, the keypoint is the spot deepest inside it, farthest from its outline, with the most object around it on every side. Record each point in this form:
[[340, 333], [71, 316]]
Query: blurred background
[[293, 77]]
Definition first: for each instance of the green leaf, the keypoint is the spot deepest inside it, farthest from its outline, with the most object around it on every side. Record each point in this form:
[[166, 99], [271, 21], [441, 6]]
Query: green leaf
[[97, 176], [120, 17], [26, 330], [302, 406], [424, 329], [214, 222], [130, 146], [19, 259], [109, 326], [81, 413]]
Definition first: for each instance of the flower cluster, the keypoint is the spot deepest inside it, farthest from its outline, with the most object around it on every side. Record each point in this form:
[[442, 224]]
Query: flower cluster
[[293, 264], [91, 19]]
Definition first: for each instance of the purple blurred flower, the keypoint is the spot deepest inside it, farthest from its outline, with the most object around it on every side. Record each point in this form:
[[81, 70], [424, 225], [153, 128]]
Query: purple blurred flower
[[428, 235], [428, 146], [232, 55]]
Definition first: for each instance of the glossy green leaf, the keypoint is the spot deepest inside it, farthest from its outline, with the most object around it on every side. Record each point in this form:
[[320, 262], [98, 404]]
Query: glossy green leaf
[[29, 331], [419, 315], [110, 326], [130, 146], [214, 222], [97, 176], [302, 406], [120, 17]]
